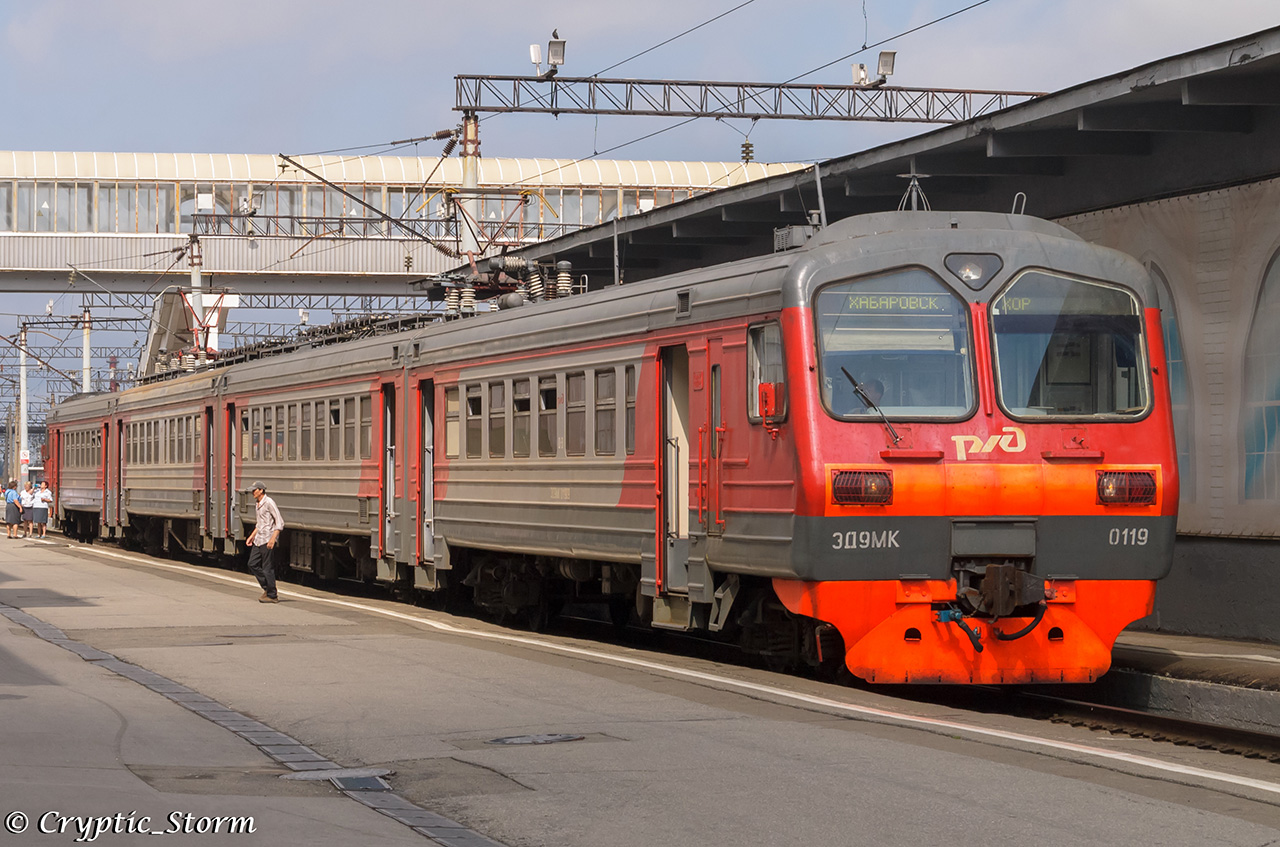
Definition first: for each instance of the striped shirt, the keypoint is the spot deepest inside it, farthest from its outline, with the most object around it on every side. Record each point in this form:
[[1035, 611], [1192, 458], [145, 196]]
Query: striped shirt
[[269, 521]]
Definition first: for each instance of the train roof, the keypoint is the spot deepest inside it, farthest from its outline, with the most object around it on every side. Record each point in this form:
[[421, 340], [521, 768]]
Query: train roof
[[757, 285]]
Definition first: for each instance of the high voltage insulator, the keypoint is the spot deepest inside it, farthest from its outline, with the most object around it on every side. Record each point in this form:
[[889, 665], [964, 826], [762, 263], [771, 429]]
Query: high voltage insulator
[[564, 279], [468, 301], [748, 151], [451, 301], [535, 283]]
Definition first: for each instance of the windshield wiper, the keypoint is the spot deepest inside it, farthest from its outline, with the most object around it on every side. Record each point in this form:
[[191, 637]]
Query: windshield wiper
[[870, 404]]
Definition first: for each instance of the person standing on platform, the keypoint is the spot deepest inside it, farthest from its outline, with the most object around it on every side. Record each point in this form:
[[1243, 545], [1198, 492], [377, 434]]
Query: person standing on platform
[[44, 502], [12, 508], [262, 543], [28, 501]]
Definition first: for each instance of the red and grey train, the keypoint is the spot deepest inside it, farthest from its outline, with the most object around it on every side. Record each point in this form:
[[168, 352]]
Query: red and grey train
[[934, 446]]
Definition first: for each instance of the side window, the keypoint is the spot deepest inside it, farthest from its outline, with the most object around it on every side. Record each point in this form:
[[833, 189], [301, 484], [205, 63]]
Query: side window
[[292, 438], [474, 421], [547, 416], [245, 434], [497, 420], [717, 418], [521, 411], [765, 367], [575, 416], [606, 413], [349, 428], [366, 426], [451, 425], [268, 435], [305, 440], [630, 424], [279, 448], [257, 435], [335, 430], [322, 415]]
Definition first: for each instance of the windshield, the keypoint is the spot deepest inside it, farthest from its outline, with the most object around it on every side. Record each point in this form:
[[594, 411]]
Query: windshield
[[1068, 347], [904, 337]]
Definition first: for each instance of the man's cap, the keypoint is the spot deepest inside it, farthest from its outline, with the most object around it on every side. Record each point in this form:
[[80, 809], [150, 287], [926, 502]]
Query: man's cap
[[256, 485]]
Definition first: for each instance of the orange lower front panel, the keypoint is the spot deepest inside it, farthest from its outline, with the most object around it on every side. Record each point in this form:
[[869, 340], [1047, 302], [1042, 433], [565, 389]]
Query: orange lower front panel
[[892, 635]]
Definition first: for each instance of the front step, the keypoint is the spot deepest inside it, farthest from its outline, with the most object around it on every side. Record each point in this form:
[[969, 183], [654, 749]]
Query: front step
[[672, 612]]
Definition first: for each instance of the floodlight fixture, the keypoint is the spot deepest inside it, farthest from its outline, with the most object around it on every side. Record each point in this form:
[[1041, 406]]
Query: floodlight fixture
[[535, 57], [555, 52], [860, 75], [885, 68]]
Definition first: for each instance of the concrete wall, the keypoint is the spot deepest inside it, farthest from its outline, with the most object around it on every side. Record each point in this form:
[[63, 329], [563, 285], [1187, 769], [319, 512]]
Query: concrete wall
[[1214, 249], [1220, 588]]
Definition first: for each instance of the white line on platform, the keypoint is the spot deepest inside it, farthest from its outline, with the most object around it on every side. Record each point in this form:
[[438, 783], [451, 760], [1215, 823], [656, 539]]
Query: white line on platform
[[724, 682], [1162, 651]]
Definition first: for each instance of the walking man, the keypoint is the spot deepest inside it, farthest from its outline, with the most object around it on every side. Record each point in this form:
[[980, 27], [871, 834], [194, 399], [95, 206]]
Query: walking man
[[262, 543]]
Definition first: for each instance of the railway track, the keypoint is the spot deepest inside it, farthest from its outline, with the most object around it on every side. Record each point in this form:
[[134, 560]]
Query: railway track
[[1138, 724]]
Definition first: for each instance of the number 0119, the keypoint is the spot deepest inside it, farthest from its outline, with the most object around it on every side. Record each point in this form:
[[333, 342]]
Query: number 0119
[[1128, 537]]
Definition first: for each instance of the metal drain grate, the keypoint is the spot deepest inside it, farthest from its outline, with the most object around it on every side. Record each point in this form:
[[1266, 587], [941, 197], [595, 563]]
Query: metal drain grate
[[534, 739], [360, 783]]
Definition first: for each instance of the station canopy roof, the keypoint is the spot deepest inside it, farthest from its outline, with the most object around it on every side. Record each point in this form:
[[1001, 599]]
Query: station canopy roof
[[1189, 123], [412, 170]]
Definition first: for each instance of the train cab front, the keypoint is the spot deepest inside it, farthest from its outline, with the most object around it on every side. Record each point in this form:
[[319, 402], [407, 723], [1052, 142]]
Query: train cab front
[[992, 477]]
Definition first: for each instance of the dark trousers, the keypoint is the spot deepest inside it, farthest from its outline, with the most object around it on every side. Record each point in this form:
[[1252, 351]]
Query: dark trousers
[[262, 564]]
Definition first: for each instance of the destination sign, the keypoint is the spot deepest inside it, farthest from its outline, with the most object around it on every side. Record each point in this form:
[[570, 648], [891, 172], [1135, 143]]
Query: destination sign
[[1056, 305], [899, 304]]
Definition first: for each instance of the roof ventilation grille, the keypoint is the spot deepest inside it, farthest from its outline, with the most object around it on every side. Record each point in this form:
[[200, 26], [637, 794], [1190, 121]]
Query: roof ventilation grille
[[684, 304]]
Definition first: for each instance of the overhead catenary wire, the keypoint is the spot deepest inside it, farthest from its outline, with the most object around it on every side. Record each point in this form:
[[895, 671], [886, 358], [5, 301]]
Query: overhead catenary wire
[[687, 121], [674, 37]]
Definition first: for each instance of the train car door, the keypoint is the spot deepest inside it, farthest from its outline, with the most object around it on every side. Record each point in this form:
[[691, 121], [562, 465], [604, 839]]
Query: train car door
[[53, 472], [388, 541], [114, 458], [104, 436], [229, 493], [673, 473], [207, 516], [426, 474]]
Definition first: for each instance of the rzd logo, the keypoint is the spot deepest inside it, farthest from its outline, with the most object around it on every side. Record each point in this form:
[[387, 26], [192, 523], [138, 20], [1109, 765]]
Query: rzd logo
[[1014, 440]]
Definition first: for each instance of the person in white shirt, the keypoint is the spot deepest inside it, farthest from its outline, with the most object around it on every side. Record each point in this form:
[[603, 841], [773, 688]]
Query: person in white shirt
[[44, 502], [262, 543], [28, 500]]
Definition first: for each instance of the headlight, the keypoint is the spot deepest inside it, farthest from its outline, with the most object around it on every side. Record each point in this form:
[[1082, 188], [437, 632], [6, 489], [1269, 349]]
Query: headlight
[[862, 487], [1126, 487]]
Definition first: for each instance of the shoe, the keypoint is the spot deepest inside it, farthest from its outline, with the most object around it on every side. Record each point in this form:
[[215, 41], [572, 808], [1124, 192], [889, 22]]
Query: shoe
[[264, 596], [265, 599]]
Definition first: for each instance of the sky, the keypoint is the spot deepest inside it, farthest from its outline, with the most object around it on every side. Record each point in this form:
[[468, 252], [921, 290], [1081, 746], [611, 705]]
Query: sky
[[302, 76], [306, 76]]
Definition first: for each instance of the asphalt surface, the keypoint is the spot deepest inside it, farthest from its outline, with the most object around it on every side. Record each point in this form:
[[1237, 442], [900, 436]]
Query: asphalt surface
[[671, 750]]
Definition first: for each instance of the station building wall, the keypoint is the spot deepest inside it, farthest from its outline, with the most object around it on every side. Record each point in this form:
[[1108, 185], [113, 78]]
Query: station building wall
[[1215, 256]]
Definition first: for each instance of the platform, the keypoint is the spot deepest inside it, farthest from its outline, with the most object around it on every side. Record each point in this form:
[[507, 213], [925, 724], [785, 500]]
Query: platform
[[100, 650]]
